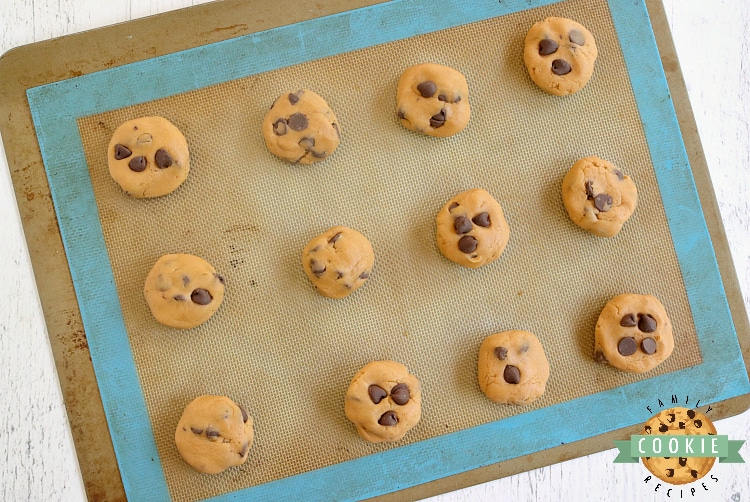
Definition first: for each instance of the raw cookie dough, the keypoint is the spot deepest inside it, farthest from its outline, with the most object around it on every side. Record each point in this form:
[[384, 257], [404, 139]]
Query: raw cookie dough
[[183, 290], [148, 157], [214, 433], [338, 261], [513, 368], [559, 54], [633, 333], [679, 422], [598, 196], [433, 99], [301, 128], [384, 401], [471, 229]]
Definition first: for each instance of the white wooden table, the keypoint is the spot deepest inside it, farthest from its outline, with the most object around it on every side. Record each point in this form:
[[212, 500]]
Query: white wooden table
[[37, 457]]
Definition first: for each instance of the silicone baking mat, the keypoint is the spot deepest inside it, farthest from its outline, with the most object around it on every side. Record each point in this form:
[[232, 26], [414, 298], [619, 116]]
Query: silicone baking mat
[[287, 353]]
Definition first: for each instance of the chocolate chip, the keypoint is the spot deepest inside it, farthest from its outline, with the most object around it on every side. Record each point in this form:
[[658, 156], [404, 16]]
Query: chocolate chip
[[401, 115], [482, 219], [628, 321], [318, 155], [307, 143], [694, 473], [179, 298], [670, 473], [682, 425], [339, 274], [603, 202], [647, 429], [427, 89], [560, 67], [297, 122], [648, 345], [589, 189], [646, 323], [547, 46], [185, 280], [467, 244], [599, 357], [220, 278], [576, 37], [462, 225], [400, 394], [201, 296], [524, 348], [137, 164], [438, 120], [279, 127], [511, 374], [162, 158], [294, 97], [501, 353], [619, 174], [122, 152], [671, 417], [453, 206], [458, 98], [212, 433], [691, 414], [333, 239], [376, 393], [245, 448], [317, 268], [364, 275], [196, 430], [698, 423], [626, 346], [443, 98], [245, 416], [682, 461], [663, 427], [388, 419]]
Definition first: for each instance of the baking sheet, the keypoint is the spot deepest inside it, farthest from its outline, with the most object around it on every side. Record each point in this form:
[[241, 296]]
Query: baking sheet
[[477, 172]]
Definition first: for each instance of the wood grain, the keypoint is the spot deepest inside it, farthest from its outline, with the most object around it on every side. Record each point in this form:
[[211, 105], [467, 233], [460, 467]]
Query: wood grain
[[39, 462]]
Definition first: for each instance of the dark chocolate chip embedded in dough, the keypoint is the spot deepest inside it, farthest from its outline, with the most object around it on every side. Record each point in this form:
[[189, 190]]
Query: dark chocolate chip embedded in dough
[[427, 89], [245, 416], [179, 298], [663, 427], [401, 115], [307, 143], [196, 430], [603, 202], [467, 244], [245, 447], [318, 155], [619, 174], [646, 323], [443, 98], [297, 122], [185, 280], [694, 473], [212, 433], [547, 46], [388, 419], [376, 393], [364, 275], [333, 239], [122, 152], [438, 120], [462, 225], [137, 164], [482, 219], [628, 321], [599, 357], [576, 37], [400, 394], [560, 67], [670, 473], [671, 417], [647, 429], [453, 206], [294, 97], [626, 346], [698, 423], [201, 296], [279, 127], [648, 345], [682, 425], [589, 189], [317, 268], [163, 159], [511, 374], [501, 353], [691, 414], [682, 461]]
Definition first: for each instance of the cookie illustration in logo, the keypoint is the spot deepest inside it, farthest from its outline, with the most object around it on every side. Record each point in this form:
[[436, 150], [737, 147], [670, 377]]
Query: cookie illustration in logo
[[679, 422]]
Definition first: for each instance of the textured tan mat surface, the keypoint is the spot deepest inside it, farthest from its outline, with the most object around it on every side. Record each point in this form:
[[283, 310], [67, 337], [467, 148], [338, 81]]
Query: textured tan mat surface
[[286, 352]]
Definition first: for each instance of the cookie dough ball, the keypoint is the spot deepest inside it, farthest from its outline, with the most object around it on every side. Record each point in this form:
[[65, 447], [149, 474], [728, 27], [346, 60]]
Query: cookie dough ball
[[301, 128], [633, 333], [338, 261], [598, 196], [679, 422], [433, 99], [148, 157], [471, 229], [513, 368], [384, 401], [559, 55], [214, 434], [183, 290]]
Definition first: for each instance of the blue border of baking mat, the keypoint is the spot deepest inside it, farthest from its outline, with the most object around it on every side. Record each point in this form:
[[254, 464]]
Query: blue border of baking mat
[[56, 107]]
